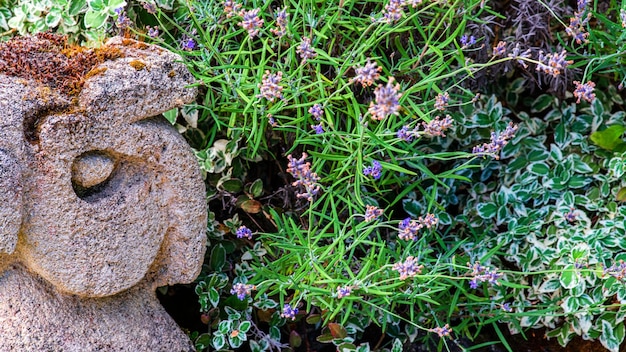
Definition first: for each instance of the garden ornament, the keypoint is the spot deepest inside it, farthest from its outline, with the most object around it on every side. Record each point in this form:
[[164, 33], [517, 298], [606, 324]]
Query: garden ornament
[[101, 200]]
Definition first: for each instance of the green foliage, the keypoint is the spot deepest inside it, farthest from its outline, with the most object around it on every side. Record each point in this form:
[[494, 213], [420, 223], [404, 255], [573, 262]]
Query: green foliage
[[530, 234], [556, 206]]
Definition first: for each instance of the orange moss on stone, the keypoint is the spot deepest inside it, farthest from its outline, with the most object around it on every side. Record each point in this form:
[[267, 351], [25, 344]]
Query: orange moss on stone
[[137, 65], [48, 59], [95, 71]]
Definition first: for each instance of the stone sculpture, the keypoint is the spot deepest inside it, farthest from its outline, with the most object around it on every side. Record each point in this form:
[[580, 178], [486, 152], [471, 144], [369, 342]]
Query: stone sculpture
[[101, 202]]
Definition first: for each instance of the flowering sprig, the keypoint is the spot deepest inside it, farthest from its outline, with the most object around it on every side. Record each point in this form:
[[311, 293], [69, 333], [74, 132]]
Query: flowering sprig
[[187, 43], [289, 312], [441, 101], [270, 86], [408, 228], [570, 216], [499, 49], [408, 268], [617, 270], [251, 22], [304, 176], [232, 8], [150, 7], [497, 142], [375, 170], [576, 28], [553, 64], [442, 331], [368, 74], [242, 290], [372, 212], [393, 11], [317, 111], [584, 91], [407, 133], [343, 291], [387, 100], [519, 56], [305, 51], [244, 232], [436, 127], [482, 274], [122, 22], [318, 129], [467, 41], [281, 23], [152, 32]]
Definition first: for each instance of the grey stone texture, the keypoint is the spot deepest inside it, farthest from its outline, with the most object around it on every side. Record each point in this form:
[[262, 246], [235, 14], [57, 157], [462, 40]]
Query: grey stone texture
[[101, 202]]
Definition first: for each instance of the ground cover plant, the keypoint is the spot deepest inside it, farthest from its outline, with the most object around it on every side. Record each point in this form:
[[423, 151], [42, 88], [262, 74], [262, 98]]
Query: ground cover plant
[[413, 171]]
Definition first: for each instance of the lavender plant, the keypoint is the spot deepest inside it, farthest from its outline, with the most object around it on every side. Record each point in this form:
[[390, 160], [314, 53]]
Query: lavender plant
[[356, 177]]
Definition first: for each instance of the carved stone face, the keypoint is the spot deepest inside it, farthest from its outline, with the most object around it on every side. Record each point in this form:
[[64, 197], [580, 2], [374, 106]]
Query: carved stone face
[[98, 193]]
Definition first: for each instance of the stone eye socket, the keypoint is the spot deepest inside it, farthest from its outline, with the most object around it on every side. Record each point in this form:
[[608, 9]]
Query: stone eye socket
[[91, 172]]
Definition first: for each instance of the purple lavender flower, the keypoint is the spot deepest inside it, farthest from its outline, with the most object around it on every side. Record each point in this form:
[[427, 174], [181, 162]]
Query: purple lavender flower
[[584, 91], [271, 120], [553, 64], [242, 290], [304, 176], [406, 133], [442, 331], [281, 23], [570, 216], [467, 41], [319, 129], [507, 307], [576, 28], [408, 268], [243, 231], [317, 111], [393, 11], [519, 56], [289, 312], [617, 271], [343, 291], [231, 8], [305, 51], [413, 3], [387, 101], [500, 49], [122, 22], [428, 221], [441, 101], [251, 22], [153, 32], [188, 44], [367, 74], [375, 170], [497, 142], [270, 86], [408, 229], [151, 8], [622, 17], [482, 274], [437, 127], [372, 212]]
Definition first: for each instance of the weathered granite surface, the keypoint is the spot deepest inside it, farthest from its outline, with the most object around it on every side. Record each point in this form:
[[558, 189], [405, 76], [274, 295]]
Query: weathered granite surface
[[101, 202]]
